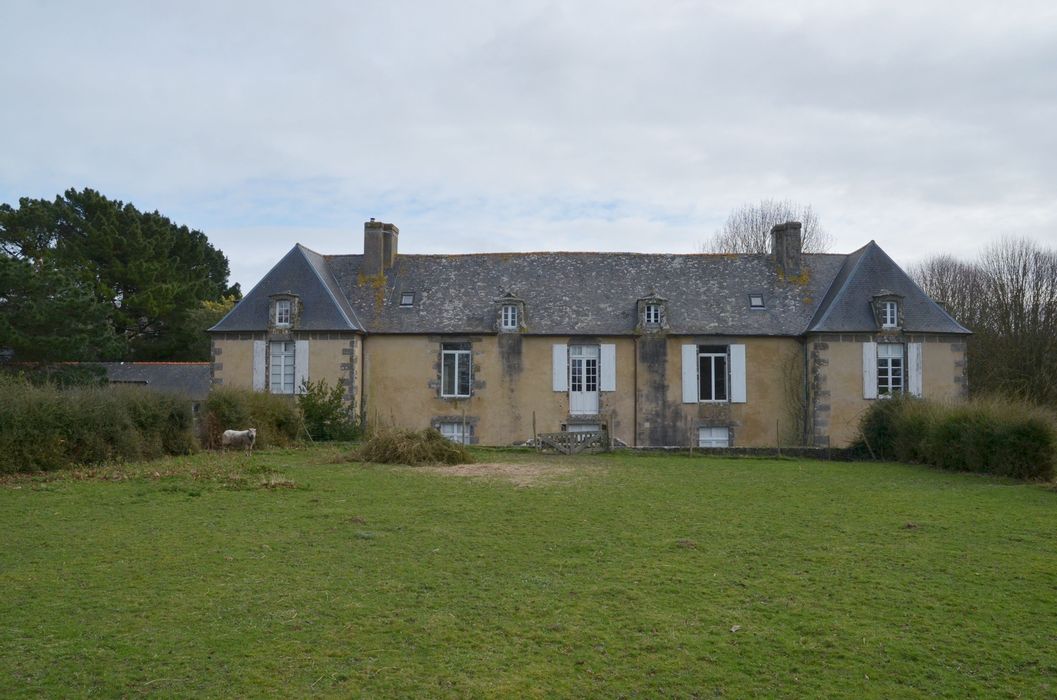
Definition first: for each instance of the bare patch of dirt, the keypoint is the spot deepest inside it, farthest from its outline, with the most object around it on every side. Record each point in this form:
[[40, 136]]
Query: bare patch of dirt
[[520, 474]]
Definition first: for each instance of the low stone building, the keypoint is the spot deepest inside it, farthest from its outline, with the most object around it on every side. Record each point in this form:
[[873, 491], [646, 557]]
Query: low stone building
[[660, 350]]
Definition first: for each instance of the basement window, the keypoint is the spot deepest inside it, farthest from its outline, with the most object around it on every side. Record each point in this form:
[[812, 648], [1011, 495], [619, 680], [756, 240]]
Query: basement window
[[407, 299], [755, 301], [455, 431], [713, 437]]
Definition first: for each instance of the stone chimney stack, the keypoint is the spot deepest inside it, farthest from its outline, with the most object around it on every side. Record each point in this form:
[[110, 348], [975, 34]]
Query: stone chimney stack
[[379, 247], [786, 246]]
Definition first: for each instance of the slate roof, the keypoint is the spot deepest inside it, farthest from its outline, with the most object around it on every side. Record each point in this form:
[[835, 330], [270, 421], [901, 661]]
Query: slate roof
[[586, 293], [869, 272], [306, 274], [190, 379], [589, 293]]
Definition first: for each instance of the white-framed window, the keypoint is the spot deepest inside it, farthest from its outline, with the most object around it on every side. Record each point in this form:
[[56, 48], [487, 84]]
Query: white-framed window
[[456, 369], [713, 437], [583, 428], [651, 315], [407, 299], [508, 321], [282, 367], [455, 431], [712, 373], [282, 313], [755, 301], [890, 368], [889, 314]]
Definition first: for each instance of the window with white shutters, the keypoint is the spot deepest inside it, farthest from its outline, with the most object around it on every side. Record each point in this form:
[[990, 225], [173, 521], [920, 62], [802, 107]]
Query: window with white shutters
[[281, 365]]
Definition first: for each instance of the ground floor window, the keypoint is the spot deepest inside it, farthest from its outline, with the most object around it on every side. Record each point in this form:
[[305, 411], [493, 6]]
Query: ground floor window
[[713, 437], [455, 431], [712, 373], [889, 369], [456, 370], [583, 428], [282, 367]]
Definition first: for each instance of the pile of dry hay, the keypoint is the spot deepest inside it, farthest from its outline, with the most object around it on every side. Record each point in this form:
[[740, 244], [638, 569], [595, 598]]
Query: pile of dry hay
[[399, 446]]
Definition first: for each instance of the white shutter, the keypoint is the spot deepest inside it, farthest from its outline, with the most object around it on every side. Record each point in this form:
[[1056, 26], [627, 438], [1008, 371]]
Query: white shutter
[[560, 366], [300, 365], [869, 370], [737, 374], [260, 370], [690, 374], [607, 373], [914, 368]]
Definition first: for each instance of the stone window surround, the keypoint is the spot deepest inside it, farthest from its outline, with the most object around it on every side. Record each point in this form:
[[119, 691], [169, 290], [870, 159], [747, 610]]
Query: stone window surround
[[296, 310], [877, 304], [504, 301], [641, 305]]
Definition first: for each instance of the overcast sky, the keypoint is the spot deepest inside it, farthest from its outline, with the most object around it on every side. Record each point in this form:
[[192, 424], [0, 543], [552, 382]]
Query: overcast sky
[[499, 126]]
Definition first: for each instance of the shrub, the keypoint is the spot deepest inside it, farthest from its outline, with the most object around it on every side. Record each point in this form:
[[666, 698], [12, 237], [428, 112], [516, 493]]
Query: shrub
[[276, 418], [44, 427], [398, 446], [994, 436], [324, 411]]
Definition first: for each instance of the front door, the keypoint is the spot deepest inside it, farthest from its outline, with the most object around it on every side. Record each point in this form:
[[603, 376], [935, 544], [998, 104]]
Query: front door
[[583, 379]]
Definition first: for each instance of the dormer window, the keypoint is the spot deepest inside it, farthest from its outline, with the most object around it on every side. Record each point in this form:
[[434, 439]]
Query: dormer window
[[282, 313], [509, 313], [652, 314], [887, 310], [509, 321], [889, 314], [755, 301], [407, 299]]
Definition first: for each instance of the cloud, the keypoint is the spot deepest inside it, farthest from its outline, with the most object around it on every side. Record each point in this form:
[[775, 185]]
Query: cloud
[[539, 125]]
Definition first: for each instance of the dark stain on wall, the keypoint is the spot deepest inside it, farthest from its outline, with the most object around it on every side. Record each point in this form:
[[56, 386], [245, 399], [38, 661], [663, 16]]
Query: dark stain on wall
[[658, 421]]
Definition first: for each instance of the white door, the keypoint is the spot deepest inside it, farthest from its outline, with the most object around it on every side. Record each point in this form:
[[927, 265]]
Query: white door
[[583, 379]]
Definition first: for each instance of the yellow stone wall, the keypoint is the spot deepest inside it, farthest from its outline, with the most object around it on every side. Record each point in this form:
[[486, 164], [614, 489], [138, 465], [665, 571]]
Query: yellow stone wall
[[836, 383], [331, 356], [397, 378], [512, 378]]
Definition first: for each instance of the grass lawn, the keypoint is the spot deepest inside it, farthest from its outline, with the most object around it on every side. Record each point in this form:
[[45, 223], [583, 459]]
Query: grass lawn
[[612, 575]]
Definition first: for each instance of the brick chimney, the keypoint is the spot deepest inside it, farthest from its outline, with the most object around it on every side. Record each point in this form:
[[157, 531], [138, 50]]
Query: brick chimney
[[786, 245], [379, 247]]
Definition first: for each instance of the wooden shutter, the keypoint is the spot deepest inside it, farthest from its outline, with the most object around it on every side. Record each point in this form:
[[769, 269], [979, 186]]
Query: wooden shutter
[[260, 368], [690, 373], [869, 370], [914, 369], [560, 366], [300, 365], [737, 374], [607, 371]]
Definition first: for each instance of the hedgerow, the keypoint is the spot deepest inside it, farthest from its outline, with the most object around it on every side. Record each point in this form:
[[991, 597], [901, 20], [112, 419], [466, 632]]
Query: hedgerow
[[43, 427], [988, 435]]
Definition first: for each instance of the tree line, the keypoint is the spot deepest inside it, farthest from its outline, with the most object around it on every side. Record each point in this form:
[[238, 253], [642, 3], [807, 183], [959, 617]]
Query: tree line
[[1008, 298], [87, 278]]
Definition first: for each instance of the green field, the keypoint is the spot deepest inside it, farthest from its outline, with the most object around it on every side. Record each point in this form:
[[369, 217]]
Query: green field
[[289, 574]]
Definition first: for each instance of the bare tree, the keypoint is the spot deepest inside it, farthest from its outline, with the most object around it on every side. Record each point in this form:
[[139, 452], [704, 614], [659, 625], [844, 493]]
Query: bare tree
[[748, 228], [1008, 298], [957, 285]]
